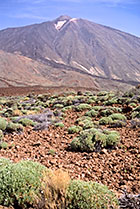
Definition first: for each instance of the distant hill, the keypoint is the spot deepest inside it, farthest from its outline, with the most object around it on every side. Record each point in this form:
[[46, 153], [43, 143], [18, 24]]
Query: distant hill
[[18, 70], [74, 47]]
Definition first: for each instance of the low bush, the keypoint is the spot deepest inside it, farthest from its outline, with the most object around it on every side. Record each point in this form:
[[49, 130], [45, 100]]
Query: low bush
[[112, 139], [94, 140], [87, 124], [105, 121], [14, 127], [106, 112], [91, 101], [90, 195], [20, 183], [132, 104], [59, 124], [137, 109], [118, 116], [118, 124], [74, 129], [91, 113], [135, 114], [3, 145], [82, 107], [97, 108], [52, 152], [27, 122], [70, 107], [3, 124], [80, 119], [1, 135], [4, 162], [59, 106], [116, 109], [111, 101], [102, 93]]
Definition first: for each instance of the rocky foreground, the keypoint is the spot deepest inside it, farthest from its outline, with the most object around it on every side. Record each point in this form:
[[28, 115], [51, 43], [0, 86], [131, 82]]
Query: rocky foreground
[[93, 136]]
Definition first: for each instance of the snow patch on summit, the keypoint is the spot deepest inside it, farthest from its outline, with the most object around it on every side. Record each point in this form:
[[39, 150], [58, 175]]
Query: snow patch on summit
[[59, 24], [73, 20]]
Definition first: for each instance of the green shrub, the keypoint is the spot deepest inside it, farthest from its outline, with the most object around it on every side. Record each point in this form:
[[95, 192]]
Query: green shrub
[[112, 138], [27, 122], [14, 127], [132, 104], [59, 124], [3, 101], [24, 112], [111, 101], [118, 116], [89, 138], [3, 145], [137, 109], [88, 93], [74, 129], [82, 107], [20, 183], [102, 93], [4, 162], [3, 124], [90, 195], [8, 112], [52, 152], [102, 98], [90, 101], [67, 108], [1, 135], [135, 114], [106, 112], [14, 118], [87, 124], [84, 142], [116, 109], [83, 118], [59, 106], [91, 113], [118, 124], [105, 121], [97, 108]]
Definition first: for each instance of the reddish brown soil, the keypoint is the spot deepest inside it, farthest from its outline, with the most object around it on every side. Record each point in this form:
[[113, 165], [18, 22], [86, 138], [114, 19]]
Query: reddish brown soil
[[14, 91], [116, 168]]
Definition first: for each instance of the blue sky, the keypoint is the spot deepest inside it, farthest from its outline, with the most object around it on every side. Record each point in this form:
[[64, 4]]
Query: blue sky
[[120, 14]]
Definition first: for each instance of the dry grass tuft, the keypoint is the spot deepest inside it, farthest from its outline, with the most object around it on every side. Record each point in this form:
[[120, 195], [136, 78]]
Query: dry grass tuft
[[17, 112], [55, 184]]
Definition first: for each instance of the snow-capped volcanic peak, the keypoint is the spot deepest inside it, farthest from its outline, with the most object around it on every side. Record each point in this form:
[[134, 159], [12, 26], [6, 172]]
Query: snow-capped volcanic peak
[[59, 24], [73, 19]]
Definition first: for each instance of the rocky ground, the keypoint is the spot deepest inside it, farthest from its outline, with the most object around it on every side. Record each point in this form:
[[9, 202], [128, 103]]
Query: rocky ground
[[118, 168]]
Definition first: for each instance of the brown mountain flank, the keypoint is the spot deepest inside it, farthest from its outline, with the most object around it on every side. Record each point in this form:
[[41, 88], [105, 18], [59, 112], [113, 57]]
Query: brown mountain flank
[[67, 50]]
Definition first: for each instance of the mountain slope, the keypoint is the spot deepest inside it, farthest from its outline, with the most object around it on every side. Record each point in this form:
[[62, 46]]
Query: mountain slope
[[72, 44], [18, 70]]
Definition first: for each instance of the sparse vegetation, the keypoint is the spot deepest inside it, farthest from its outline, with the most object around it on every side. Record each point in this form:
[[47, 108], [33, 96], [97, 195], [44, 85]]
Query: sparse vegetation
[[27, 122], [1, 135], [82, 107], [74, 129], [93, 119], [19, 183], [59, 124], [3, 124], [94, 139], [90, 195]]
